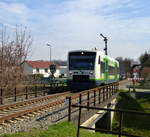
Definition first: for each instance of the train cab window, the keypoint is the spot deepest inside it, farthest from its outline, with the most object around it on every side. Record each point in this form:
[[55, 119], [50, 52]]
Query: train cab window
[[82, 60]]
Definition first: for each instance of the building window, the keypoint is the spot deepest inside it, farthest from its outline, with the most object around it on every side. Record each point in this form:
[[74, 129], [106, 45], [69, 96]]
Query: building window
[[46, 70], [37, 70]]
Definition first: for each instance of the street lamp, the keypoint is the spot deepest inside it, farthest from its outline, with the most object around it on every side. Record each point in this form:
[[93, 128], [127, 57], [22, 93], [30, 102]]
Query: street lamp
[[50, 54], [105, 40]]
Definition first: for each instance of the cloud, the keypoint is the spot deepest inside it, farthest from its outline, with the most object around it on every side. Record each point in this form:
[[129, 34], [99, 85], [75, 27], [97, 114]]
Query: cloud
[[76, 24], [17, 8]]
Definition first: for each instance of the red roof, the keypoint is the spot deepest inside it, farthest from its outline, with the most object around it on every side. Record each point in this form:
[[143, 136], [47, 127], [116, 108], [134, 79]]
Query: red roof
[[40, 64]]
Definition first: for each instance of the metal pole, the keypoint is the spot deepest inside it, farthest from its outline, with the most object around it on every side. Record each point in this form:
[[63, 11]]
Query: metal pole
[[105, 40], [35, 91], [44, 90], [80, 99], [1, 96], [50, 51], [103, 94], [79, 119], [88, 98], [15, 92], [69, 108], [120, 123], [99, 96], [26, 92], [94, 98]]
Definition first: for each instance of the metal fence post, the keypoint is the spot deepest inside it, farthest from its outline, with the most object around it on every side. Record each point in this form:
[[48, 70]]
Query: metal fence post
[[103, 94], [115, 87], [69, 108], [79, 119], [80, 99], [44, 90], [110, 93], [88, 98], [35, 91], [26, 92], [15, 94], [99, 96], [107, 92], [120, 124], [1, 96], [94, 97]]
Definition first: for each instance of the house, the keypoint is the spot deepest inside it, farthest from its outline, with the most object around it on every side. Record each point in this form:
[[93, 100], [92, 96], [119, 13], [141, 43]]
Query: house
[[63, 71], [40, 67]]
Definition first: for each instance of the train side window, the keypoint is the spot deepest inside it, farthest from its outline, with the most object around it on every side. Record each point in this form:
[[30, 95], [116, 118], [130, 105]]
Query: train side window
[[112, 70], [102, 67], [117, 70]]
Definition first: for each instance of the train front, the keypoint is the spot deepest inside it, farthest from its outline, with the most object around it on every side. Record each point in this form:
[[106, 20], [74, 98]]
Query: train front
[[81, 65]]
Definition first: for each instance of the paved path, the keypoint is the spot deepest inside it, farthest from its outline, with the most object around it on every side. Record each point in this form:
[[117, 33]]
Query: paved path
[[124, 83], [143, 90]]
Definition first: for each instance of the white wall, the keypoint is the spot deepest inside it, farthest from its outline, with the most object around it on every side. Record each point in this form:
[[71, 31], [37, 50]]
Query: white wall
[[63, 70], [29, 70], [46, 74]]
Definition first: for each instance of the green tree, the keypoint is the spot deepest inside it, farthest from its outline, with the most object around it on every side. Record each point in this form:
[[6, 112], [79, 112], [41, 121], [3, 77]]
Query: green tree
[[124, 66], [145, 59]]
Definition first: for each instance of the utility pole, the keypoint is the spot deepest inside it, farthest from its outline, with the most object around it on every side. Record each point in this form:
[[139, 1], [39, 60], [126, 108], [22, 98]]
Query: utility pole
[[50, 54], [105, 40]]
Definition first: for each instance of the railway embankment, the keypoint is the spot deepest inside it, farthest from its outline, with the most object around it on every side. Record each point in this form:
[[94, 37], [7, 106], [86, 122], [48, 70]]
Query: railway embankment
[[64, 129], [133, 123]]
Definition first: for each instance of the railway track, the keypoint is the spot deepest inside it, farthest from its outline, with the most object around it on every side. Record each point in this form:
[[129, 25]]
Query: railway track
[[12, 113], [18, 111]]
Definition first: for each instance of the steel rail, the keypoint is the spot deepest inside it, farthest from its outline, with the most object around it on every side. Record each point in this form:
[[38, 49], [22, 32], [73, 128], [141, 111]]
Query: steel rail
[[41, 107], [35, 100], [29, 111]]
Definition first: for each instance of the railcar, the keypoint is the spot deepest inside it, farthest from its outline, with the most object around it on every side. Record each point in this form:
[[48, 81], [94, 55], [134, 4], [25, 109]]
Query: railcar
[[87, 69]]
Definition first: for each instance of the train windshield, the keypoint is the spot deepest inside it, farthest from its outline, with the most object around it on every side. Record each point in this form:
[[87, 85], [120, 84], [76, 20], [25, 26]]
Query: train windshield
[[82, 60]]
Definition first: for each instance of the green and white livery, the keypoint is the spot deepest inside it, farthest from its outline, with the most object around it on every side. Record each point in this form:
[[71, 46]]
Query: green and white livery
[[88, 69]]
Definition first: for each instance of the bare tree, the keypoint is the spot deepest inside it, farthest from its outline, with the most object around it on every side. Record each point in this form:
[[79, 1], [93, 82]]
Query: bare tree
[[13, 52]]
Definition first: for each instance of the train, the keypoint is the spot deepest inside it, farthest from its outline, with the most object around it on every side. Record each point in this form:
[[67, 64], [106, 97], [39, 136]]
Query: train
[[90, 68]]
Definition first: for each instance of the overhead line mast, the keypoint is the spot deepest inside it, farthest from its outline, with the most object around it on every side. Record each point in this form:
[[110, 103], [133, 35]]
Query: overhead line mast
[[105, 40]]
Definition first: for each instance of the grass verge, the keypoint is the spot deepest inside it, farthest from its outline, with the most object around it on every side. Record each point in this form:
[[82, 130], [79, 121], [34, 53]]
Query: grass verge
[[133, 123], [64, 129]]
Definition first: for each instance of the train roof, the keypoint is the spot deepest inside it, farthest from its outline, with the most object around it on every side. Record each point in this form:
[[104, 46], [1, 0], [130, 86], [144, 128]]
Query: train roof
[[97, 51]]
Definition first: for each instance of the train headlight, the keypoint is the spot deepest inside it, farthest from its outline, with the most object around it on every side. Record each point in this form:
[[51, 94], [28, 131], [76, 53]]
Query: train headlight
[[91, 72]]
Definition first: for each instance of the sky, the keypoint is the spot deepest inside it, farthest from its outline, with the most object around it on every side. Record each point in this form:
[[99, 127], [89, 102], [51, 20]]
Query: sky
[[77, 24]]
